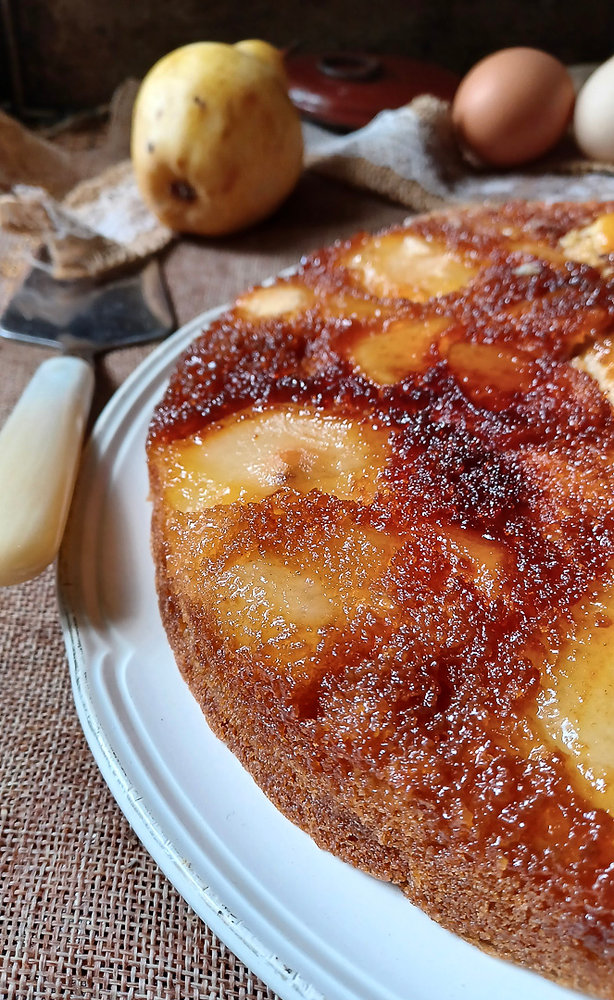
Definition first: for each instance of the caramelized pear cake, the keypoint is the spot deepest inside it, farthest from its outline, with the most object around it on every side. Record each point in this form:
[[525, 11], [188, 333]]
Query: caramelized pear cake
[[383, 532]]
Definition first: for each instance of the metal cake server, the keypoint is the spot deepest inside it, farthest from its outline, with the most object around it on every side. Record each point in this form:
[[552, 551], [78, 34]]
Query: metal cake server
[[40, 442]]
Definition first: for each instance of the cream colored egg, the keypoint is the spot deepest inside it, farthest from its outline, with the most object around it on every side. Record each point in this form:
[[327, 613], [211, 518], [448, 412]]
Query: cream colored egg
[[594, 114]]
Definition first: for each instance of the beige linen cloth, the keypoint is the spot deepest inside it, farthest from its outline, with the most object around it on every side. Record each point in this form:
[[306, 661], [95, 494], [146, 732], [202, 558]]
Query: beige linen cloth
[[85, 913]]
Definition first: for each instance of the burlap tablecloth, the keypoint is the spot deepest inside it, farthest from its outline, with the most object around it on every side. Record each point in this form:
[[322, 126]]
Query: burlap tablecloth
[[84, 911]]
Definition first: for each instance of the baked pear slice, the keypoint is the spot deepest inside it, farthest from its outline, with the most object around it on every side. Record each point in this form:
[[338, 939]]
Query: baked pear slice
[[251, 454]]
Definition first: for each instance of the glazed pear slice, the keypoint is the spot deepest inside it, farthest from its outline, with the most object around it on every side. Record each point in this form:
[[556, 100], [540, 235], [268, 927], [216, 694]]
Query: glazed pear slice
[[598, 362], [390, 355], [284, 601], [409, 266], [263, 599], [281, 299], [574, 709], [251, 455], [592, 244]]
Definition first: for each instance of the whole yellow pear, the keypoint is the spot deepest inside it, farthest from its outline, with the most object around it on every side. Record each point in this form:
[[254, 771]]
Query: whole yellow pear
[[216, 143]]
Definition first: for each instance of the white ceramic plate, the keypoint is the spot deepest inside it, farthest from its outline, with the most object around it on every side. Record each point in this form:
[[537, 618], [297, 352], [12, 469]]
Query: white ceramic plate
[[307, 924]]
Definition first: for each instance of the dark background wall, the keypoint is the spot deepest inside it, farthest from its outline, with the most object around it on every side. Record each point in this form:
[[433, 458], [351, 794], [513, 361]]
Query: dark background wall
[[69, 54]]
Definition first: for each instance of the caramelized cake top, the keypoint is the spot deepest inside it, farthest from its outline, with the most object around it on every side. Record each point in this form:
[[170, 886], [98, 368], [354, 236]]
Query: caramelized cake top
[[400, 470]]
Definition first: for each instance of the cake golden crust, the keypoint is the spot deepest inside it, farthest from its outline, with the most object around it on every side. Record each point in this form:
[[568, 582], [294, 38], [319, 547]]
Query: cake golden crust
[[383, 532]]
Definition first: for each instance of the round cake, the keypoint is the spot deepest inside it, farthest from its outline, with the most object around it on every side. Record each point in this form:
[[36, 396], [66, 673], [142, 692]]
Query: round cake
[[383, 533]]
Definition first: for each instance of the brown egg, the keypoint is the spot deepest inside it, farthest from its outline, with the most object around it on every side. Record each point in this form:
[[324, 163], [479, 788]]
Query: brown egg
[[513, 106]]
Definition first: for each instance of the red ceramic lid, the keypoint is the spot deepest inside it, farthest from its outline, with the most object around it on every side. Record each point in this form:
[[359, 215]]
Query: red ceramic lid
[[346, 89]]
